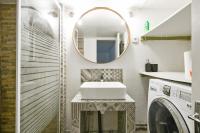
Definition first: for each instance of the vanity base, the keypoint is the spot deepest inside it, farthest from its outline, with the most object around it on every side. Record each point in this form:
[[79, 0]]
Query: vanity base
[[127, 105]]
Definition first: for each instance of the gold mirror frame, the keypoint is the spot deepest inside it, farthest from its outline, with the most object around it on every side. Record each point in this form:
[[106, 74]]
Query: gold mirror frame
[[101, 8]]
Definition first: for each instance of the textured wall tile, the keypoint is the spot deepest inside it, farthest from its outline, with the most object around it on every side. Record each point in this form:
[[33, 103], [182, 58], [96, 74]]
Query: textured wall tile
[[8, 67], [88, 75], [197, 109], [79, 105]]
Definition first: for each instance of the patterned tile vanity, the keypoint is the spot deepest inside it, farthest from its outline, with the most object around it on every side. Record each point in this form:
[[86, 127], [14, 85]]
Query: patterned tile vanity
[[197, 110], [79, 105]]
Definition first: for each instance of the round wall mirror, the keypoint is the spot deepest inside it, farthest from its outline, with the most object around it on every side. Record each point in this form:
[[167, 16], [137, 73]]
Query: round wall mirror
[[101, 35]]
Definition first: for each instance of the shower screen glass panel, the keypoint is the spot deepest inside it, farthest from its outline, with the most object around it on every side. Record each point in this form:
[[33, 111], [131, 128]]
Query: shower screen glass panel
[[40, 67]]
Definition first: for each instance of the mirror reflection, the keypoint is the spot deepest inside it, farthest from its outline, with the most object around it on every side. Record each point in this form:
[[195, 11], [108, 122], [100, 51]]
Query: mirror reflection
[[101, 35]]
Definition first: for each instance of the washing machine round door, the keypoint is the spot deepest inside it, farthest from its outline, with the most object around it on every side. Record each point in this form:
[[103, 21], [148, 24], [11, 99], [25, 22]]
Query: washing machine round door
[[164, 117]]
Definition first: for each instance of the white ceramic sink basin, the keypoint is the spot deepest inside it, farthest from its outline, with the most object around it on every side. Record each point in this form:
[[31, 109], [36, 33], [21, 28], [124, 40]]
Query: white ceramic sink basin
[[103, 90]]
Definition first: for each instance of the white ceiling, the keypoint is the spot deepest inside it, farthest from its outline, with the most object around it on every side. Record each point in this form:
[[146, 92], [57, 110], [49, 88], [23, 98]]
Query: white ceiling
[[101, 23]]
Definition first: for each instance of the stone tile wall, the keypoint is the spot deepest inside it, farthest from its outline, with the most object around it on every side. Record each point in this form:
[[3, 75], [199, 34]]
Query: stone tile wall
[[88, 75], [7, 67], [197, 109]]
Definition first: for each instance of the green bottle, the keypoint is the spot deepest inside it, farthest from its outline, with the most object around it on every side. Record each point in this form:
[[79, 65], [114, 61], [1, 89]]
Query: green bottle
[[147, 26]]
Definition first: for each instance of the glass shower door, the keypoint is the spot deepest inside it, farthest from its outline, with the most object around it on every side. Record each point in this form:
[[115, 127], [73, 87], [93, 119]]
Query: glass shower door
[[40, 67]]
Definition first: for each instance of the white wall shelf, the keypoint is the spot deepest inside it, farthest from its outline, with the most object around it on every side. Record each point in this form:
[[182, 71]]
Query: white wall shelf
[[174, 76], [176, 27]]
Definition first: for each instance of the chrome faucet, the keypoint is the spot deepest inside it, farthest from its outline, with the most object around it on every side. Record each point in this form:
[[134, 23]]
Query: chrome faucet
[[102, 78]]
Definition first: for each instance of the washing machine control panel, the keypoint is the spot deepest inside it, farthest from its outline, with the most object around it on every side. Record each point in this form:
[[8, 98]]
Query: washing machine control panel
[[185, 96], [166, 90]]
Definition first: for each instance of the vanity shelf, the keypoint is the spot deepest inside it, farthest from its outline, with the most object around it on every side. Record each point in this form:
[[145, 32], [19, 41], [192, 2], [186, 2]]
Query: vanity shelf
[[174, 76], [176, 27]]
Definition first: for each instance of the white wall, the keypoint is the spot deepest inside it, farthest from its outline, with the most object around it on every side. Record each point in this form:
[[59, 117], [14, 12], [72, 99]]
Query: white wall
[[90, 49], [168, 54], [195, 50]]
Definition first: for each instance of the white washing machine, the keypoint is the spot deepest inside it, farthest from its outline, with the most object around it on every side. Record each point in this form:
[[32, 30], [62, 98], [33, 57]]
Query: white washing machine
[[169, 105]]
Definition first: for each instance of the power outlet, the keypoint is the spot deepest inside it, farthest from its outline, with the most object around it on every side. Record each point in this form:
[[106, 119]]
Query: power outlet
[[135, 40]]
